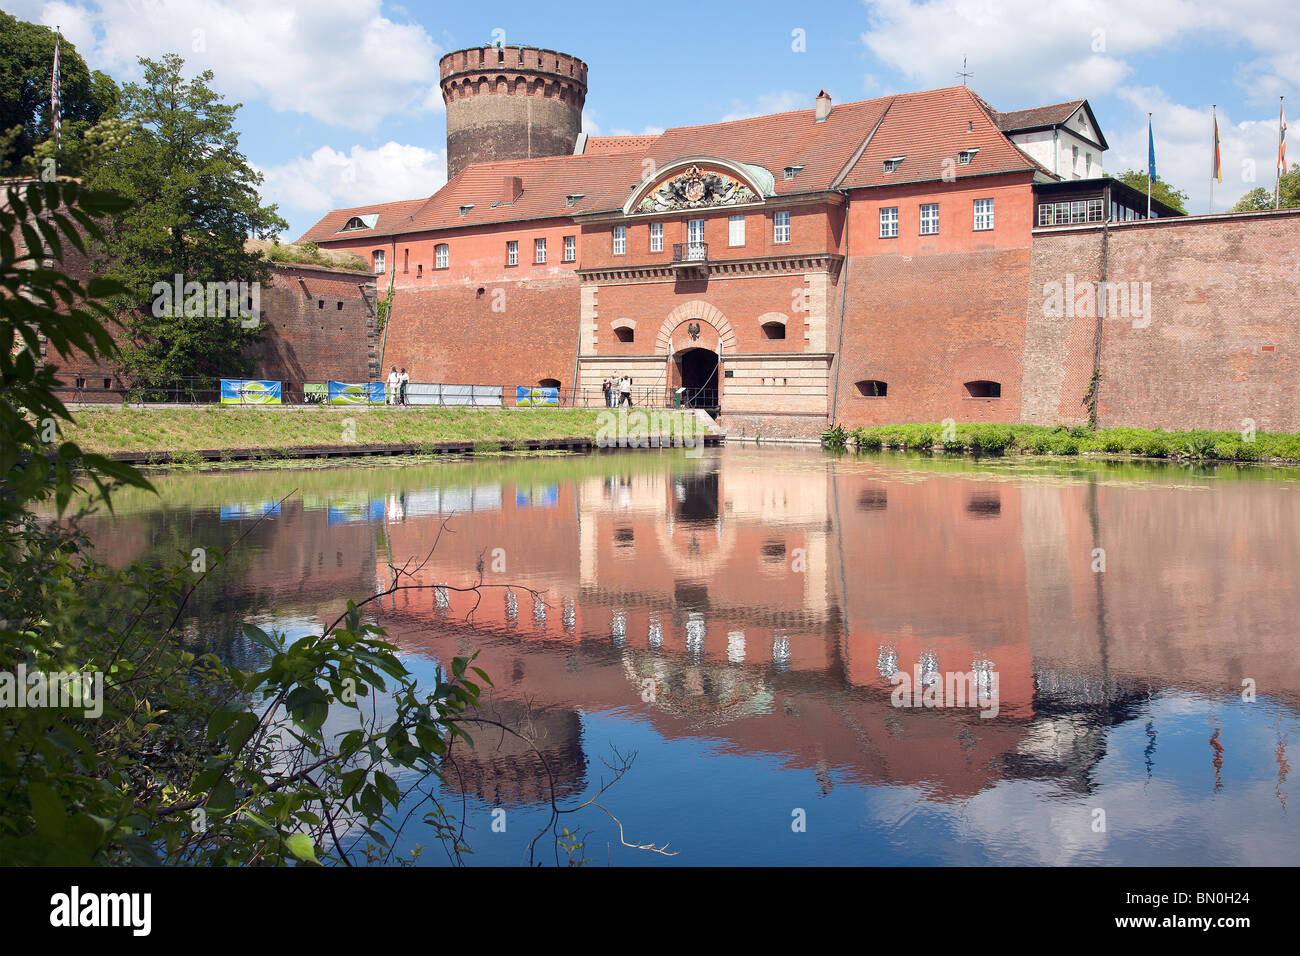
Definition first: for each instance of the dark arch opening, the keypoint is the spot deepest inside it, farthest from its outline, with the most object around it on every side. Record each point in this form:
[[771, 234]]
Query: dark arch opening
[[624, 334], [983, 388], [773, 330], [872, 388], [699, 370], [549, 383]]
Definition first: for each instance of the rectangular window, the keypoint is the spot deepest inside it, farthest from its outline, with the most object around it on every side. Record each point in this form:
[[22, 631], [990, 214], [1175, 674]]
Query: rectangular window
[[620, 240], [1045, 211], [736, 230], [888, 222], [1095, 210], [1062, 213], [540, 246], [570, 248], [983, 214], [656, 237], [930, 219], [781, 227], [695, 238], [512, 252], [379, 260], [441, 256], [1078, 211]]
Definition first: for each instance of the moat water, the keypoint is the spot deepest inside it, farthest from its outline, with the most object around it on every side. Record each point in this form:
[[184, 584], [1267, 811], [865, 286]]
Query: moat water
[[746, 623]]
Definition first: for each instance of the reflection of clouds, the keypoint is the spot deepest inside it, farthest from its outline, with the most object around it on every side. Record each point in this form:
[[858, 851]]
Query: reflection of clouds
[[1172, 817]]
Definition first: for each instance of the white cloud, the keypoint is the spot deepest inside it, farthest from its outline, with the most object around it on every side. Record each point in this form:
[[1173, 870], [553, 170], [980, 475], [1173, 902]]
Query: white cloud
[[329, 179], [341, 61], [779, 102], [1027, 52]]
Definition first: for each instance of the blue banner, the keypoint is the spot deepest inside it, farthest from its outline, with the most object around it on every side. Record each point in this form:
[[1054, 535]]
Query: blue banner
[[524, 395], [242, 392], [364, 393]]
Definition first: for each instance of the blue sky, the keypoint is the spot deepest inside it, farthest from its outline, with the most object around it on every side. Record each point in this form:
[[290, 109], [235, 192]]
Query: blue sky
[[341, 105]]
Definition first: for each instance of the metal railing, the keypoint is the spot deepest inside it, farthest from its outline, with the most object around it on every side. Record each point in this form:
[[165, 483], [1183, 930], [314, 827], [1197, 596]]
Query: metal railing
[[690, 252]]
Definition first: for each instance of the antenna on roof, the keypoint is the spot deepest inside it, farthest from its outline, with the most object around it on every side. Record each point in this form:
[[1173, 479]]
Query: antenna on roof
[[963, 74]]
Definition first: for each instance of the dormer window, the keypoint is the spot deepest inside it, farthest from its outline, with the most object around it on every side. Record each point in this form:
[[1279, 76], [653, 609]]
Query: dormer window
[[353, 223], [464, 210], [893, 163], [792, 171], [572, 199], [965, 156]]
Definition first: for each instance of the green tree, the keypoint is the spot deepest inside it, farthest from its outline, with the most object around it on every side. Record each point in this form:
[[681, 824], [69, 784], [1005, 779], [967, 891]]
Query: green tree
[[26, 69], [1161, 191], [194, 204], [1261, 198]]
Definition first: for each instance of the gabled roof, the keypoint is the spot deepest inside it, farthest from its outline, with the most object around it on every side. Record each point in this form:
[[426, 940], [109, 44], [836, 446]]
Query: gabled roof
[[1045, 117], [389, 217], [928, 131]]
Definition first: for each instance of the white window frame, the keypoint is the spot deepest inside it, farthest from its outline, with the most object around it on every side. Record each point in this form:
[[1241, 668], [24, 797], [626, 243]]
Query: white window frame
[[620, 240], [888, 222], [736, 230], [539, 252], [781, 227], [930, 219], [377, 258], [512, 252], [656, 237], [570, 248], [983, 221], [695, 239], [441, 256]]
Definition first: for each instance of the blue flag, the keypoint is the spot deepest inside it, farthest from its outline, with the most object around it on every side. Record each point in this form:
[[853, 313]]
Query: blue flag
[[1151, 151]]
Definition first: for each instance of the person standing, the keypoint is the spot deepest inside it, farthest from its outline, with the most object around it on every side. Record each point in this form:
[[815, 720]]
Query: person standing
[[393, 379], [625, 391], [607, 388], [402, 381]]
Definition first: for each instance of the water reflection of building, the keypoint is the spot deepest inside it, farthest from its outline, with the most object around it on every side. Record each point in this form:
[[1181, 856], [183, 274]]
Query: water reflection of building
[[542, 756], [685, 578], [760, 594]]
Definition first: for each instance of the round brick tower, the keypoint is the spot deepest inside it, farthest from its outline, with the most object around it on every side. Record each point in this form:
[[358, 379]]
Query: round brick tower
[[510, 102]]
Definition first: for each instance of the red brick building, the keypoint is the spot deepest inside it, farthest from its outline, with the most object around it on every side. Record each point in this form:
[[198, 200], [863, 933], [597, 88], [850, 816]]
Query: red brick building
[[871, 262]]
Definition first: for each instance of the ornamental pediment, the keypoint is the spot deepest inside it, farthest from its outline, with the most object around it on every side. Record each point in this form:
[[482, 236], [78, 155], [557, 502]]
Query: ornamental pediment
[[701, 184]]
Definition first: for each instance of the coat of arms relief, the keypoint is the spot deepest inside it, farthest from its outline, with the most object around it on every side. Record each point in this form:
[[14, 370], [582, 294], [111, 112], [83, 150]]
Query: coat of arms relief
[[696, 189]]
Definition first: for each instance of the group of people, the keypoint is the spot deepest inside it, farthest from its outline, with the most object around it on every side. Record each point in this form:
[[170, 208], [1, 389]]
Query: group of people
[[396, 389], [617, 391]]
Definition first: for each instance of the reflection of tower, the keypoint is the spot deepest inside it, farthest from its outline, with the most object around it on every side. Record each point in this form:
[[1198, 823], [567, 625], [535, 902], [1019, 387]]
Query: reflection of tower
[[511, 102]]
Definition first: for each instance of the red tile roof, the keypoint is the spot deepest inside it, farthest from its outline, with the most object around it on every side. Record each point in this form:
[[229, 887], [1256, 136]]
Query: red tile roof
[[618, 144], [928, 130], [923, 128], [1037, 117], [392, 217]]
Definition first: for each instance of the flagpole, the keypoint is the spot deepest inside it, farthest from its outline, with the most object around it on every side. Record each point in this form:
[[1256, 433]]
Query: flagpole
[[1150, 159], [1214, 160], [1281, 139]]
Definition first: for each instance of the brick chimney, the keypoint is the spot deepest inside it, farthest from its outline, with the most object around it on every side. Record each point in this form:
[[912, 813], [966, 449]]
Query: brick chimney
[[823, 106], [514, 187]]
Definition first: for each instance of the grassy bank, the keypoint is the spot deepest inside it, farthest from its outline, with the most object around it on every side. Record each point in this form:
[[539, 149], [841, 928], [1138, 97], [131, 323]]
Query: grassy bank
[[118, 429], [988, 439]]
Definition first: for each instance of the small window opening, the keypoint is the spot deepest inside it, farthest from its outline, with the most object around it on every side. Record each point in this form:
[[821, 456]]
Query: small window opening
[[873, 388], [984, 389]]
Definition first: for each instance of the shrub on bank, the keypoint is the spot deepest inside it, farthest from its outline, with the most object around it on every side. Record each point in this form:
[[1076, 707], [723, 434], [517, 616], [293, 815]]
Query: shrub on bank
[[993, 439]]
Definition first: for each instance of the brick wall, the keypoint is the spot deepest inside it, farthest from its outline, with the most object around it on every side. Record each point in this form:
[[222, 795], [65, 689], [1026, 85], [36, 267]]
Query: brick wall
[[1218, 346], [318, 324], [509, 333]]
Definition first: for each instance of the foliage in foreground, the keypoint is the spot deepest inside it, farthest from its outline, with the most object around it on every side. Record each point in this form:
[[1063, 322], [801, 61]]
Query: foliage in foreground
[[121, 745], [993, 439]]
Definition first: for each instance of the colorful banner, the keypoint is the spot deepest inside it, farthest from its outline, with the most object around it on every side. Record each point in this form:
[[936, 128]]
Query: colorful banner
[[475, 395], [363, 393], [315, 393], [524, 395], [239, 392]]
